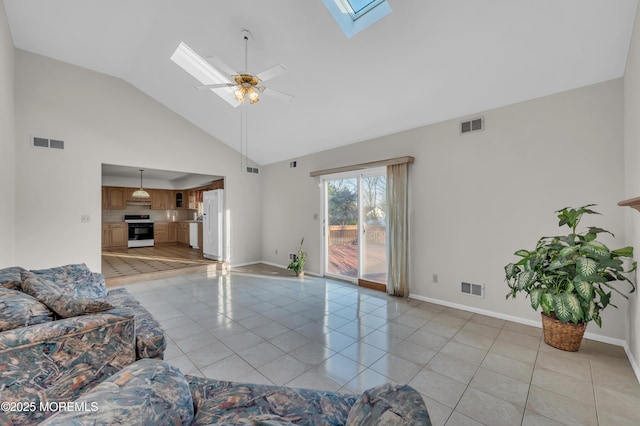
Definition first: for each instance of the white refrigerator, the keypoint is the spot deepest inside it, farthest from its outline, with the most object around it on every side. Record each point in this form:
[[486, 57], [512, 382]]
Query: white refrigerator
[[212, 224]]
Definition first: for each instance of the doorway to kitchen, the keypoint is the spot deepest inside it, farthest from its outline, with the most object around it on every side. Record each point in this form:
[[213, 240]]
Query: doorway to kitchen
[[171, 216], [355, 228]]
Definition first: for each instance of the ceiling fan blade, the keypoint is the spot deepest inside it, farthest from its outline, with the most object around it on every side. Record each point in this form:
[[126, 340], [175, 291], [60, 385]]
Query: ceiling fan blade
[[272, 72], [214, 86], [277, 94], [221, 66]]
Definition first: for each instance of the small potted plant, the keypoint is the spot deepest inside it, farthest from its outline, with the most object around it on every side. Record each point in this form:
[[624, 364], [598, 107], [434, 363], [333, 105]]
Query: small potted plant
[[571, 277], [297, 263]]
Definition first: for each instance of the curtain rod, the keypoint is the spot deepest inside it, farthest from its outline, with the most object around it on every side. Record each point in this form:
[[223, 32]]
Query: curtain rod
[[361, 166]]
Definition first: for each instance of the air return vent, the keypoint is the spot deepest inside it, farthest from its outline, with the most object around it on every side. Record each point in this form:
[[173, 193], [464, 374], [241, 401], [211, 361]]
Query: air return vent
[[472, 289], [252, 170], [37, 142], [473, 125]]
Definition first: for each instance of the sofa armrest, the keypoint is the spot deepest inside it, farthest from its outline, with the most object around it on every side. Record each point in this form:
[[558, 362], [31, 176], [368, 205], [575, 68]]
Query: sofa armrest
[[59, 360]]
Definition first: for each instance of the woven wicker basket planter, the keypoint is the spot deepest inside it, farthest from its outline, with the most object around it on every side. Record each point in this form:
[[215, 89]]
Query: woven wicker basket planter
[[566, 336]]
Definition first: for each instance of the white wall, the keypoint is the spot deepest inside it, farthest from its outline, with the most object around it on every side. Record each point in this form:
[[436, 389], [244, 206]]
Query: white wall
[[477, 198], [632, 176], [105, 120], [7, 148]]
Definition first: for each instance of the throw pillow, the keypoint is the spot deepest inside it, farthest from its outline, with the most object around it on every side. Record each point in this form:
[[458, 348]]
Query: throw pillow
[[11, 277], [18, 309], [147, 392], [65, 299]]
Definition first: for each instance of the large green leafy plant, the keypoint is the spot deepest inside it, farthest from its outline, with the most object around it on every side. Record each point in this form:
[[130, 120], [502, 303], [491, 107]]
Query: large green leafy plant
[[571, 276]]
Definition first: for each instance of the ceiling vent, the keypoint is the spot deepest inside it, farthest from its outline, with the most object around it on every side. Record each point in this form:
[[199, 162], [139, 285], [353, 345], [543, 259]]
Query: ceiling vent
[[473, 125], [37, 142], [472, 289]]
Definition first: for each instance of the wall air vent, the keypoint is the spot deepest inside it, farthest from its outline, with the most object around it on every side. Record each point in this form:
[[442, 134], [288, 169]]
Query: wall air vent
[[473, 125], [472, 289], [252, 170], [37, 142]]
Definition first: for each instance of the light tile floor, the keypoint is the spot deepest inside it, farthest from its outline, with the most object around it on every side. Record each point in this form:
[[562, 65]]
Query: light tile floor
[[318, 333]]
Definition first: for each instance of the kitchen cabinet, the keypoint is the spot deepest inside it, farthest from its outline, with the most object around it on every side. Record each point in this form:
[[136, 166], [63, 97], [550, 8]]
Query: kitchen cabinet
[[183, 233], [165, 232], [114, 198], [191, 199], [180, 200], [114, 235], [173, 232], [161, 232], [161, 199]]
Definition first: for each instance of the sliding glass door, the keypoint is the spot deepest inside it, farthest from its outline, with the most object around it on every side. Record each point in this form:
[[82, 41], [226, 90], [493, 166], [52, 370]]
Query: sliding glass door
[[355, 226], [342, 227], [373, 224]]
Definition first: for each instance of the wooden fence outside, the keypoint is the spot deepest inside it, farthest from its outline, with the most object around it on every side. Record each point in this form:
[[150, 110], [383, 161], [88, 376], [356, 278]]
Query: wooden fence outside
[[348, 234]]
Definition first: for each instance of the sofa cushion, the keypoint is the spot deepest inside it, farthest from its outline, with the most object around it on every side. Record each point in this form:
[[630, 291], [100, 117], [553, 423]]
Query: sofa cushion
[[219, 401], [11, 277], [147, 392], [389, 405], [18, 309], [77, 277], [150, 339], [67, 298]]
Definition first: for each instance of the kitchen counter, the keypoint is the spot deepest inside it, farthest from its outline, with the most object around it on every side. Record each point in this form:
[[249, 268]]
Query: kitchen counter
[[177, 221]]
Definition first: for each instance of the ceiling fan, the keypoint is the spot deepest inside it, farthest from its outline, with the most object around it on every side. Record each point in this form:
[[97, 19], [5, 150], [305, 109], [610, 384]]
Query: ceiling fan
[[234, 87]]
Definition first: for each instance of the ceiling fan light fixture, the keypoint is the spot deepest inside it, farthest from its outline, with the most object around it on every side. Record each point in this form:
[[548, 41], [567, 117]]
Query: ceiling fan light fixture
[[253, 96], [239, 93]]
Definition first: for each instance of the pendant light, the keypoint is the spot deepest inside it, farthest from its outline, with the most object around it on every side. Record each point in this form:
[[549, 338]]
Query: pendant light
[[141, 193]]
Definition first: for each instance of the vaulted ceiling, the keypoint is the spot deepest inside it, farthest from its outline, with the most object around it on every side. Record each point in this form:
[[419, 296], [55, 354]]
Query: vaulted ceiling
[[428, 61]]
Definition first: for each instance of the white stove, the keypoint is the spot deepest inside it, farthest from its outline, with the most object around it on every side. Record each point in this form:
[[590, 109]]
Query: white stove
[[140, 230]]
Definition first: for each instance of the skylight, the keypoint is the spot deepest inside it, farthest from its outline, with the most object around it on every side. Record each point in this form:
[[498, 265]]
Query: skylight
[[354, 16]]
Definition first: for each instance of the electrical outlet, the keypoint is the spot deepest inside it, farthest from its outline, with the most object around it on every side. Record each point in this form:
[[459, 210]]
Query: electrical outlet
[[435, 278], [85, 218], [292, 256]]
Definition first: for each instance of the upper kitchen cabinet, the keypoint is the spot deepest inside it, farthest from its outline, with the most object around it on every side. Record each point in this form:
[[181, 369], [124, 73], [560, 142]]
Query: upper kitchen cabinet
[[114, 198], [180, 199], [161, 199]]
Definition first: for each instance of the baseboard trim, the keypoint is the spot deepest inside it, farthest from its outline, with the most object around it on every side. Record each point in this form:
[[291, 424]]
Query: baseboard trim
[[632, 361], [533, 323]]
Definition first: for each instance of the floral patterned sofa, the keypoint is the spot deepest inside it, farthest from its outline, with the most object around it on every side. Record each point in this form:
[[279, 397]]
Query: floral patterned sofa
[[62, 333], [151, 392], [88, 369], [45, 295]]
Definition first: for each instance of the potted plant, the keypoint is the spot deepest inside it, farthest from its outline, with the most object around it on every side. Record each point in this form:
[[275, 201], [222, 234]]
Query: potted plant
[[297, 263], [571, 277]]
